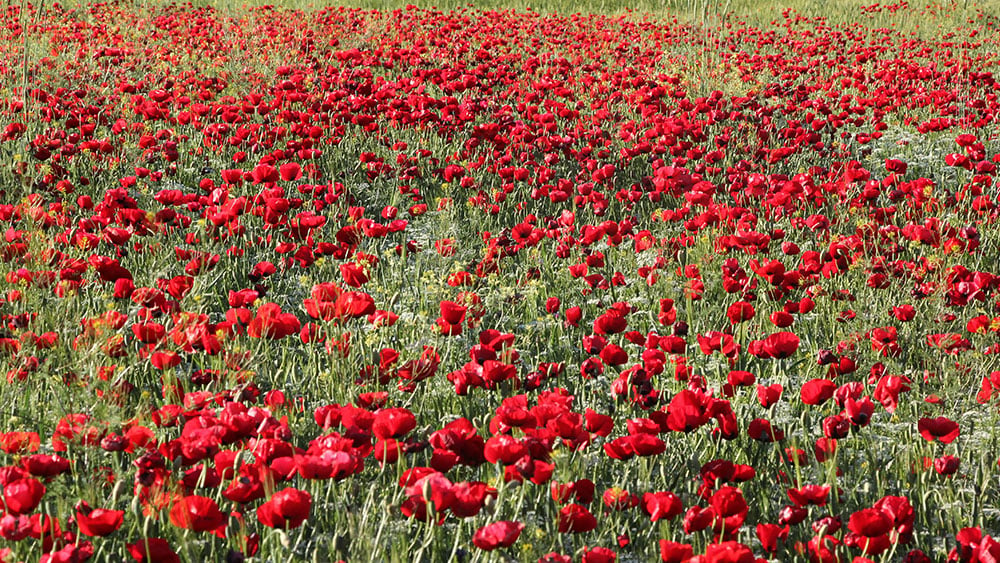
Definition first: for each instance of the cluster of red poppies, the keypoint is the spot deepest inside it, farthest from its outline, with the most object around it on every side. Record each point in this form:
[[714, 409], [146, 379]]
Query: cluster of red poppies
[[560, 286]]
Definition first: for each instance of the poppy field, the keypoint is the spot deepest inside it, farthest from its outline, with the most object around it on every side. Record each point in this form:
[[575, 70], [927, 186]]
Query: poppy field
[[475, 285]]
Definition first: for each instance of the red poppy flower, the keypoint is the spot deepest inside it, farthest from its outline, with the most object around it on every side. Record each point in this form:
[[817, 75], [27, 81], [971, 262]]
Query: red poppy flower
[[393, 423], [179, 286], [620, 448], [895, 166], [729, 504], [353, 304], [614, 355], [662, 505], [598, 555], [21, 496], [885, 341], [968, 539], [469, 498], [946, 465], [581, 490], [768, 395], [824, 449], [780, 345], [617, 498], [505, 449], [888, 388], [79, 551], [197, 513], [739, 312], [597, 423], [149, 332], [869, 523], [573, 316], [353, 274], [792, 515], [452, 313], [717, 341], [859, 412], [97, 521], [552, 305], [165, 360], [290, 171], [646, 444], [673, 552], [769, 534], [497, 534], [460, 440], [246, 488], [740, 378], [271, 322], [762, 430], [535, 470], [781, 319], [286, 509], [905, 313], [728, 552], [687, 411], [611, 322], [19, 442], [698, 518], [836, 427], [823, 549], [810, 495], [45, 465], [901, 512], [942, 429], [328, 464], [574, 519], [495, 372], [817, 391], [265, 173]]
